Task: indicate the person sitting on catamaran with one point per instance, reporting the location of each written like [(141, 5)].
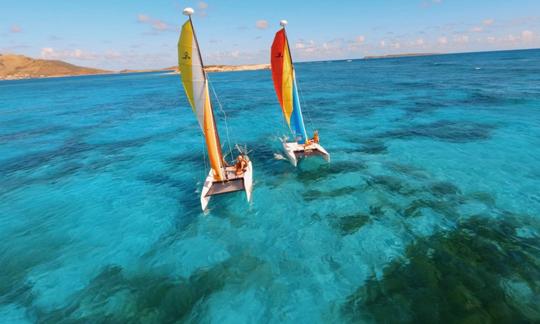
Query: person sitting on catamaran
[(241, 165), (314, 140), (316, 137)]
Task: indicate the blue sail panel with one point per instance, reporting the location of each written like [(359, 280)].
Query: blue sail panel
[(297, 121)]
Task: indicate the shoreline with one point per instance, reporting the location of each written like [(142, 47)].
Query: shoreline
[(172, 70), (54, 76), (251, 67)]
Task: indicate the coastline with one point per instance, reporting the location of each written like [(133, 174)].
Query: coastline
[(15, 78), (171, 70), (238, 68)]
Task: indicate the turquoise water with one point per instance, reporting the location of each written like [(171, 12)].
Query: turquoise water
[(429, 210)]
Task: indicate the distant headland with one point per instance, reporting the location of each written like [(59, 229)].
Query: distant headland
[(15, 67)]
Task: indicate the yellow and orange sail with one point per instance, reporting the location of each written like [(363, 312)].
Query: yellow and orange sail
[(196, 86)]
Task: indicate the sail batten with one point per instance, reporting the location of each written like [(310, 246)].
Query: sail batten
[(285, 85), (195, 85)]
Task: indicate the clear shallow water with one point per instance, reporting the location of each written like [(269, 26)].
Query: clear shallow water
[(428, 212)]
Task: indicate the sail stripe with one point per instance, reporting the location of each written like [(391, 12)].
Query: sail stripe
[(191, 71), (276, 59), (196, 87), (297, 120), (285, 86)]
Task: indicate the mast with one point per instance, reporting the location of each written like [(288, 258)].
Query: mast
[(195, 83), (206, 78), (284, 76), (284, 23)]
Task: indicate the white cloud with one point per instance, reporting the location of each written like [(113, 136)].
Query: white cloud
[(142, 18), (360, 39), (160, 25), (335, 48), (203, 5), (46, 51), (261, 24), (481, 28), (51, 53), (527, 36), (477, 29), (510, 38), (443, 40), (429, 3), (157, 25), (15, 29), (234, 57), (202, 9), (305, 46), (382, 43), (462, 39), (420, 42), (112, 55), (78, 53)]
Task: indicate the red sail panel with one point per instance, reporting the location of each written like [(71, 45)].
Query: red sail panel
[(276, 60)]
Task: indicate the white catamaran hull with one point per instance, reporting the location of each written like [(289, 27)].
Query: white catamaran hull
[(232, 184), (295, 151)]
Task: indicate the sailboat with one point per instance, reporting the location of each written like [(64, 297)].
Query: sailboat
[(222, 178), (284, 78)]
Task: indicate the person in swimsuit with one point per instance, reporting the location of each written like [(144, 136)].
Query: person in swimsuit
[(241, 165), (315, 140)]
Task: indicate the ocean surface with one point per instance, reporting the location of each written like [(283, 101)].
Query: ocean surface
[(429, 210)]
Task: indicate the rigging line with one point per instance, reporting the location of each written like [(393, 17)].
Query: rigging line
[(304, 104), (286, 128), (204, 156), (294, 74), (224, 117)]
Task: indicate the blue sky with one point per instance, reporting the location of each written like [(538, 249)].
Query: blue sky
[(137, 34)]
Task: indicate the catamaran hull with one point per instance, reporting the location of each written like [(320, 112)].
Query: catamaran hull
[(295, 151), (233, 184)]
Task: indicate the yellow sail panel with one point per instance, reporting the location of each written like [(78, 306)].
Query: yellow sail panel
[(287, 85), (191, 70), (196, 87)]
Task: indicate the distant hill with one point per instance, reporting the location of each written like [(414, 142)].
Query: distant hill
[(398, 55), (21, 67), (13, 67)]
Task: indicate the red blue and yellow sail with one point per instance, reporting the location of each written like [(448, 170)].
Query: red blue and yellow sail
[(285, 85)]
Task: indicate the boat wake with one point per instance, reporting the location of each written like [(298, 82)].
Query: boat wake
[(278, 156)]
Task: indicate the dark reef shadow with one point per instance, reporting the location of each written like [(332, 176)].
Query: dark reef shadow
[(152, 296), (456, 277), (446, 131)]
